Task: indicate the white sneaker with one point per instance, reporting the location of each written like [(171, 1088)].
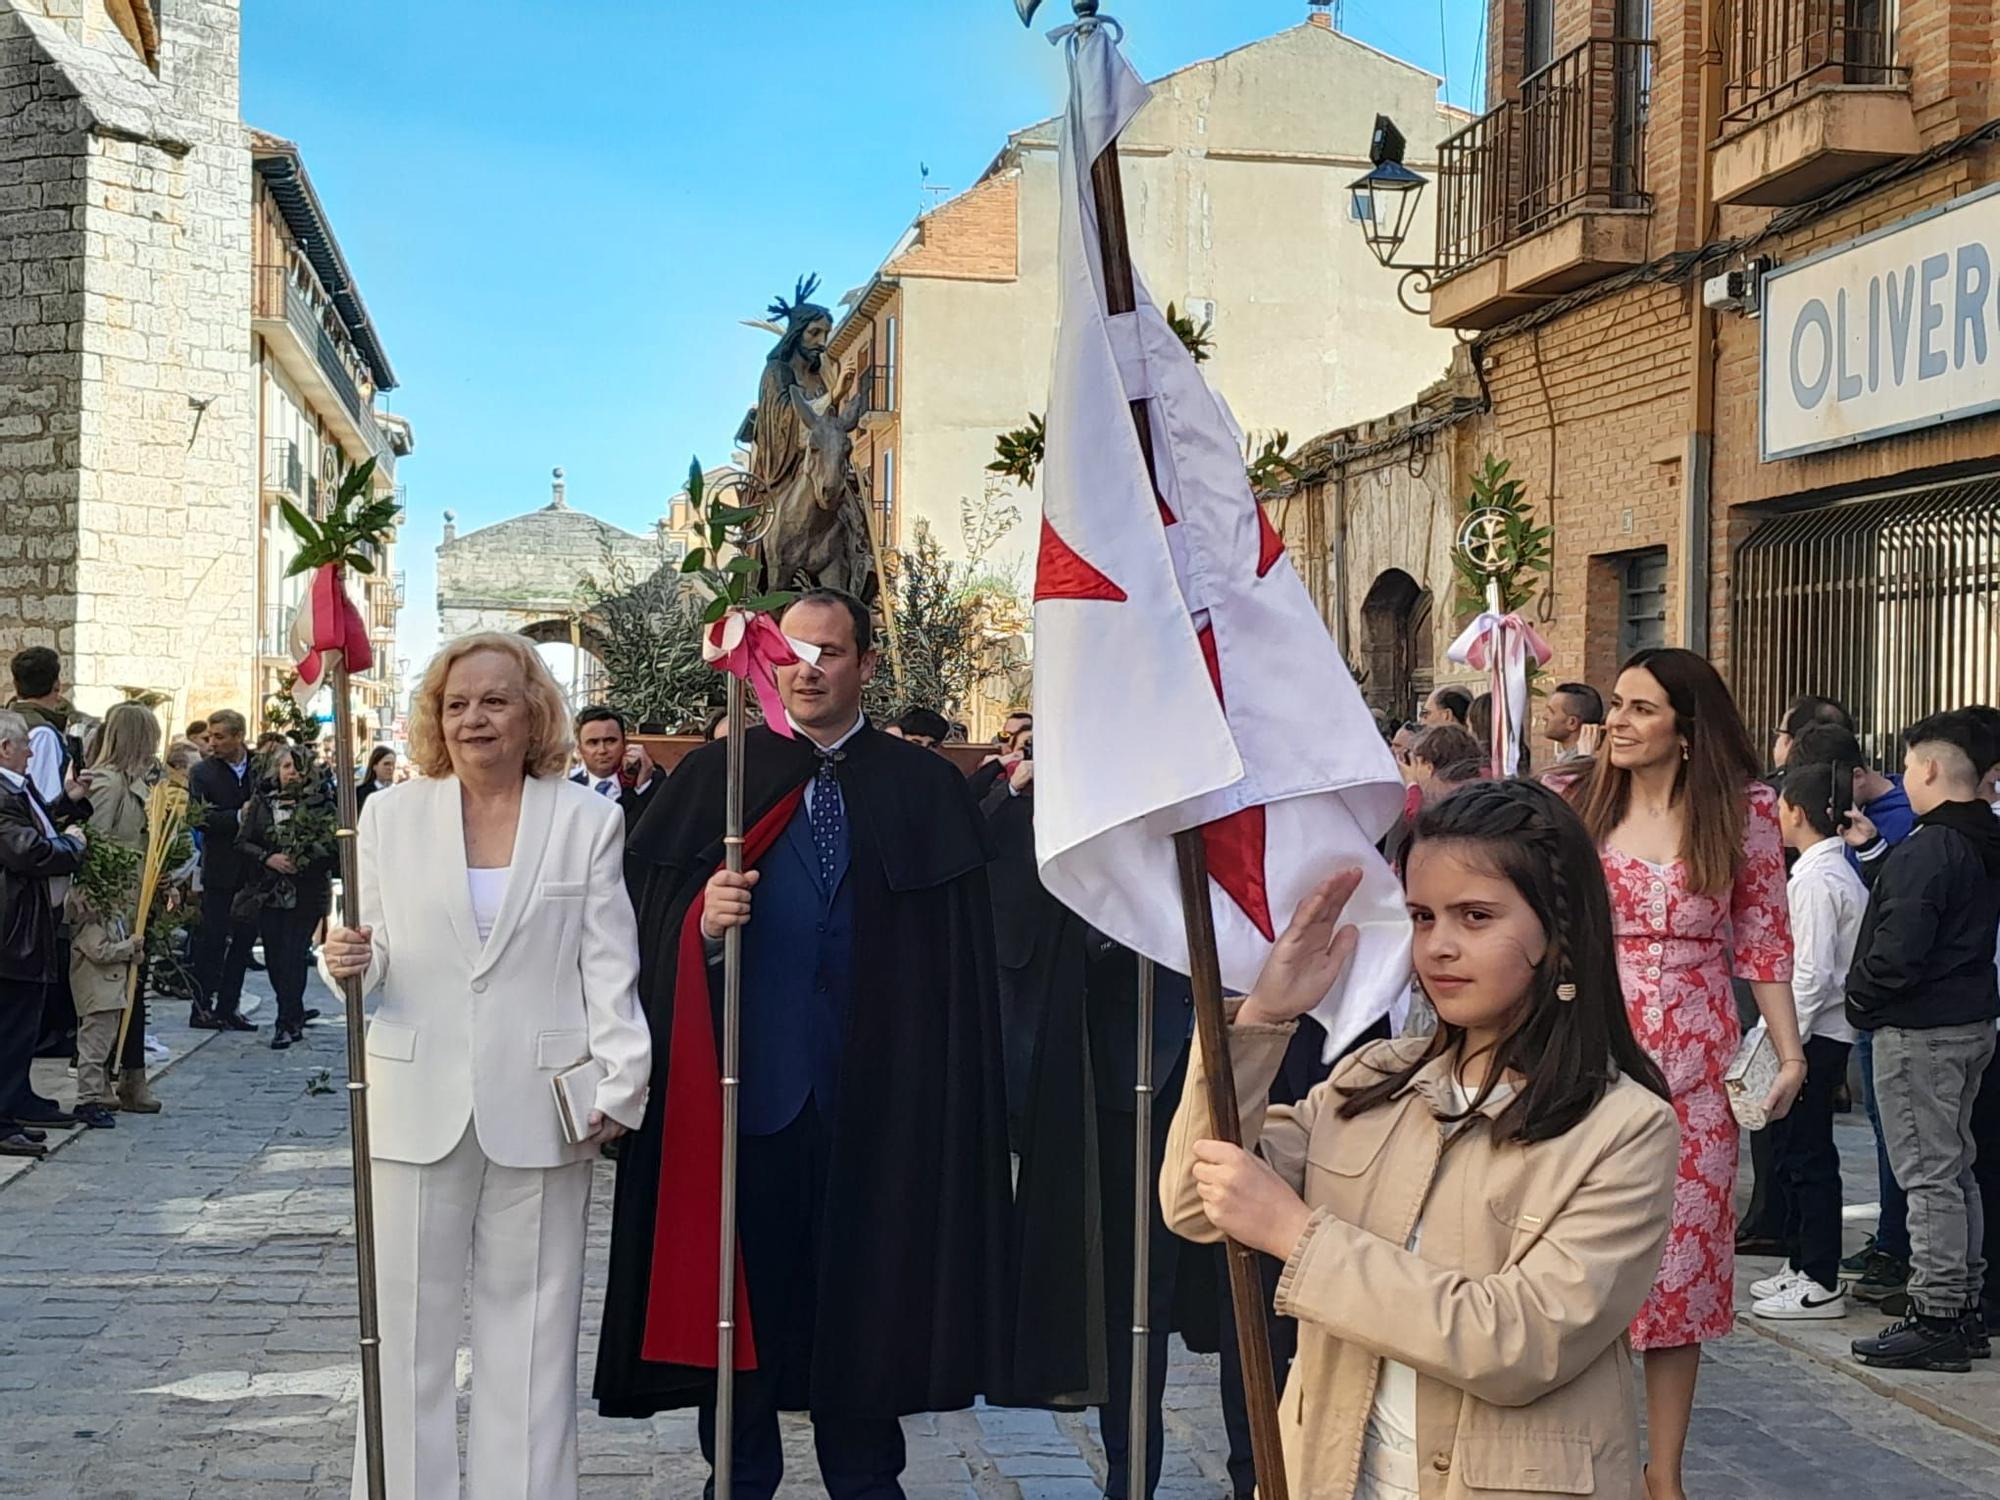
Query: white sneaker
[(1803, 1301), (1770, 1286)]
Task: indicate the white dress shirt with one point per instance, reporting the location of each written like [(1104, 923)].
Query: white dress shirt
[(860, 721), (45, 762), (1827, 900)]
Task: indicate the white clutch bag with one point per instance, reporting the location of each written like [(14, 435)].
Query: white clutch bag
[(576, 1096), (1749, 1077)]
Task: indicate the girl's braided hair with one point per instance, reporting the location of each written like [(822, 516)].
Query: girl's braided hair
[(1571, 1040)]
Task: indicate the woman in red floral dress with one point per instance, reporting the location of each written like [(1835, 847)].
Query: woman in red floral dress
[(1696, 872)]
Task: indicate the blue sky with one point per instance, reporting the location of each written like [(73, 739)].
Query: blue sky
[(558, 210)]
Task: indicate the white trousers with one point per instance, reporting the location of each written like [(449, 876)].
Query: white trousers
[(523, 1231)]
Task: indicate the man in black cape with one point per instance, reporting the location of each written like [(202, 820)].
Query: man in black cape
[(877, 1231)]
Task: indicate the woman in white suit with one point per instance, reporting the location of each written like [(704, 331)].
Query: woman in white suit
[(496, 927)]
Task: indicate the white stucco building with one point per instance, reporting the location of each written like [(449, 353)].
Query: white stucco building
[(1236, 182)]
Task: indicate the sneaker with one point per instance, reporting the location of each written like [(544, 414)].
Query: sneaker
[(96, 1117), (1972, 1327), (1803, 1300), (1770, 1286), (280, 1040), (1917, 1343), (157, 1051), (1885, 1277), (1857, 1264)]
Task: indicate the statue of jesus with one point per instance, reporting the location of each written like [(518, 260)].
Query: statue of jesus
[(802, 443)]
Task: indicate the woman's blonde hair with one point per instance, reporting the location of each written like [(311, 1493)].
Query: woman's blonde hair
[(548, 714), (128, 740)]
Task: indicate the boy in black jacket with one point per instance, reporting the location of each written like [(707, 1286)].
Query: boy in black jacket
[(1923, 982)]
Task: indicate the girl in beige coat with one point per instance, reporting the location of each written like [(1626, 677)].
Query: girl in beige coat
[(1468, 1221)]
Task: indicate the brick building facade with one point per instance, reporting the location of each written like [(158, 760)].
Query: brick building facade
[(1581, 222)]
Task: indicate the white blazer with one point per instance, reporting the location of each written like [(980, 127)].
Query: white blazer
[(466, 1032)]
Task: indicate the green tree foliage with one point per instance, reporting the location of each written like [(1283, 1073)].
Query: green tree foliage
[(648, 634), (1018, 455), (939, 626), (1194, 339)]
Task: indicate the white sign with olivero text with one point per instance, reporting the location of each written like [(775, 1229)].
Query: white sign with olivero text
[(1891, 332)]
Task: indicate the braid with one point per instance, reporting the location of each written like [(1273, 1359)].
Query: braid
[(1562, 920)]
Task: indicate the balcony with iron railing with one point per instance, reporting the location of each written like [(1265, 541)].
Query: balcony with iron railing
[(1547, 191), (284, 474), (1475, 190), (274, 638), (881, 381), (295, 322), (1813, 94)]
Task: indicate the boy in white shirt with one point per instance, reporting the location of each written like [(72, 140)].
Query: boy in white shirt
[(1827, 901)]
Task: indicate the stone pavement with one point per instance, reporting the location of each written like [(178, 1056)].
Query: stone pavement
[(176, 1321)]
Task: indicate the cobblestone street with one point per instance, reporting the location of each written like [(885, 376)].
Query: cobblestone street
[(176, 1298)]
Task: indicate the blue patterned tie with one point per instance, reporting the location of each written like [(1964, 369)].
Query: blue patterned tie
[(829, 814)]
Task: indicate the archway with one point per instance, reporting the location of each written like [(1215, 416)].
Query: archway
[(574, 652), (1396, 644)]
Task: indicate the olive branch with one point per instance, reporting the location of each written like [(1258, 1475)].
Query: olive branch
[(732, 582), (352, 531)]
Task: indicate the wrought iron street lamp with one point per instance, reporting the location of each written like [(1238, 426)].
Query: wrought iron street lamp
[(1385, 202)]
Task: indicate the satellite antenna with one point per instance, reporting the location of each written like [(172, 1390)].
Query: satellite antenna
[(936, 193)]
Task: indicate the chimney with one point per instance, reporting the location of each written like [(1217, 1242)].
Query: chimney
[(559, 500), (451, 526), (1321, 14)]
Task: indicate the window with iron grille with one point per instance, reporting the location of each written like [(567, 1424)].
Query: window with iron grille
[(1888, 603), (1642, 602), (1538, 36), (889, 355)]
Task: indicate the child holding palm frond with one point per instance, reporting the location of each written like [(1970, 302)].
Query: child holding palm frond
[(102, 951)]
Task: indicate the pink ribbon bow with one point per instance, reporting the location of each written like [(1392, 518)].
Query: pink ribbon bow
[(1501, 645), (327, 622), (1490, 627), (749, 645)]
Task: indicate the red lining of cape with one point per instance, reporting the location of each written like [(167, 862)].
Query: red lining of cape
[(687, 1224)]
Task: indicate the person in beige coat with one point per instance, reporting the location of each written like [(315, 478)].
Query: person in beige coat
[(124, 765), (1468, 1221)]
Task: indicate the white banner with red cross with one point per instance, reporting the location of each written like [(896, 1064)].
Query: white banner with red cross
[(1183, 677)]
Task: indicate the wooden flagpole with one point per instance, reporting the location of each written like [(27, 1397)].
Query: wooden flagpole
[(357, 1087), (1246, 1281), (732, 1029)]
